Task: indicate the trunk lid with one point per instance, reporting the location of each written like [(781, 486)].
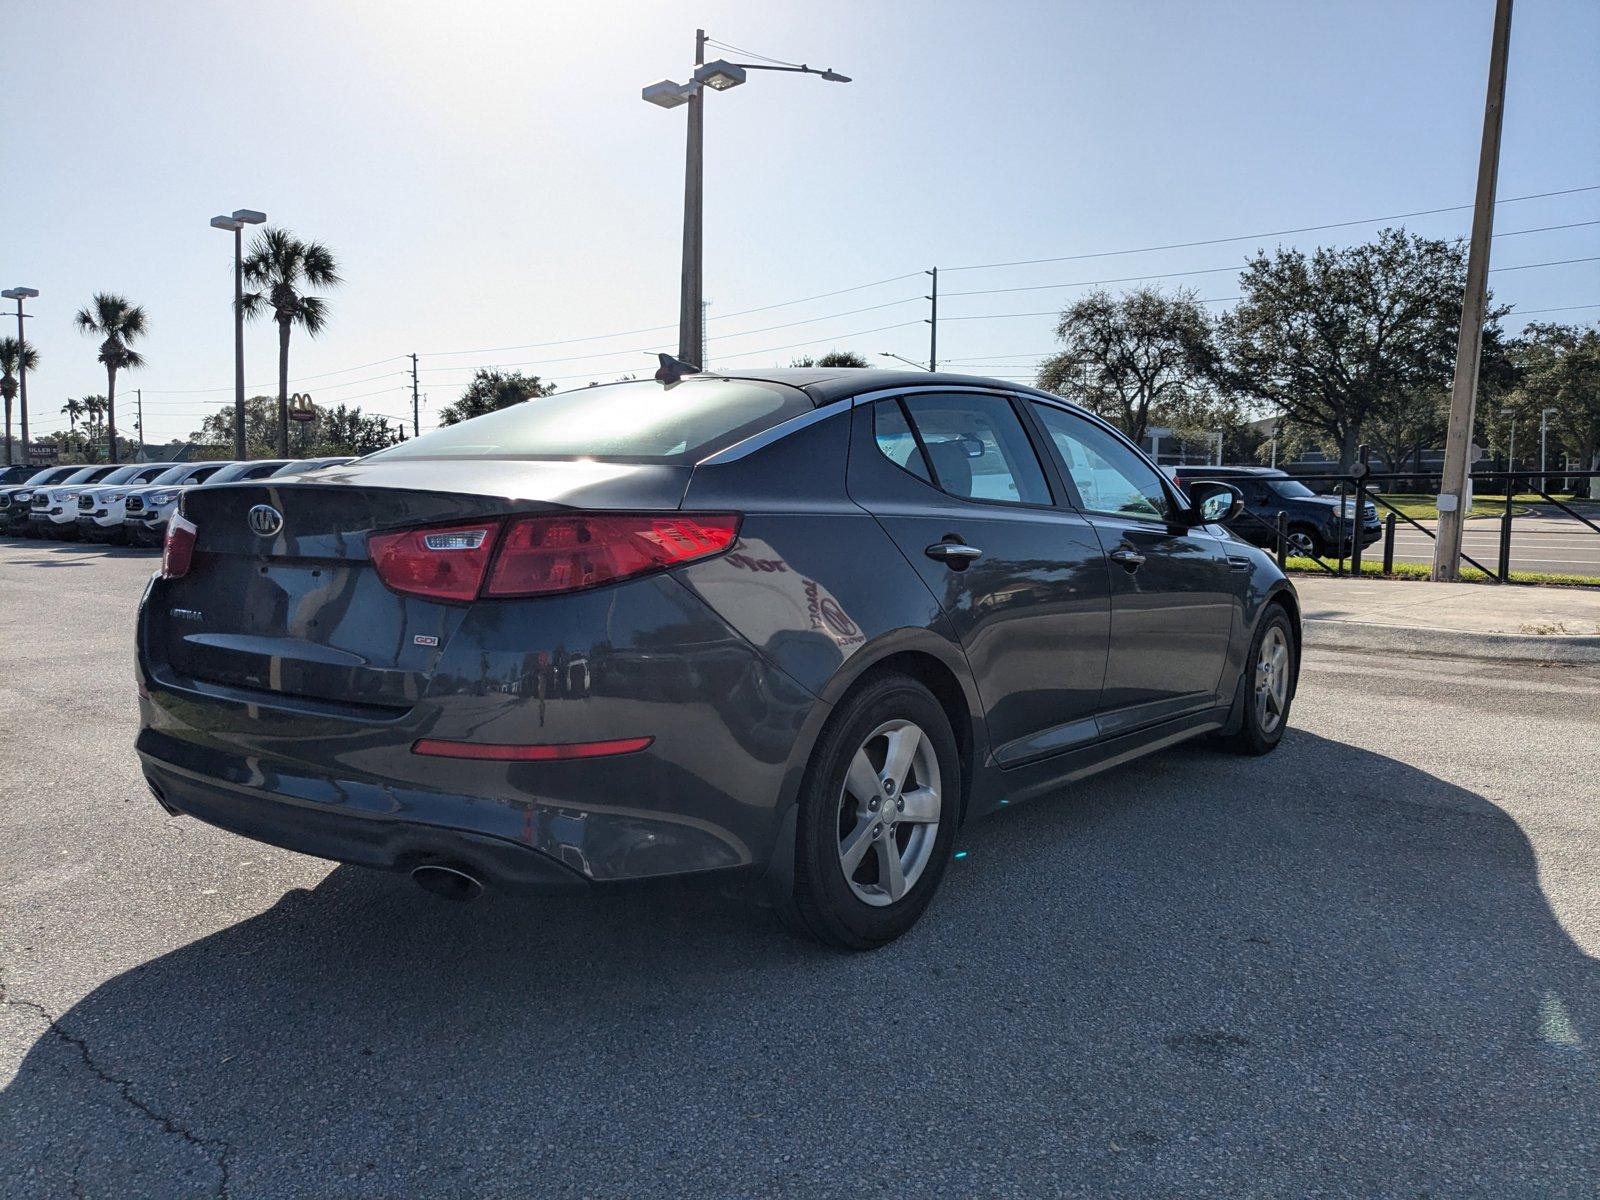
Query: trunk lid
[(302, 612)]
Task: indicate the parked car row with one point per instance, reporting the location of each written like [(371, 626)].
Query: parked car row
[(130, 503)]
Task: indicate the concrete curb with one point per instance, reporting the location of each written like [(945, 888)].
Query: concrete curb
[(1448, 643)]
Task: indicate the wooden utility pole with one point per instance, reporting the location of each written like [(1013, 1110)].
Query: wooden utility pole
[(416, 404), (933, 321), (1469, 345)]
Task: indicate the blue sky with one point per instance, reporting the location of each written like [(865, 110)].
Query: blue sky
[(491, 180)]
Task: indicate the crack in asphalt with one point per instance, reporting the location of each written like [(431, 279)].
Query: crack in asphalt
[(215, 1148)]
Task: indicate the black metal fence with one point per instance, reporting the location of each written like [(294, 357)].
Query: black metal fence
[(1361, 487)]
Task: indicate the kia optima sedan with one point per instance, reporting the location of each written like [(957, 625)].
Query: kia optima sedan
[(791, 625)]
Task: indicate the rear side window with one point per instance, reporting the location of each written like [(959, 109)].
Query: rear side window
[(639, 421), (895, 439), (977, 448)]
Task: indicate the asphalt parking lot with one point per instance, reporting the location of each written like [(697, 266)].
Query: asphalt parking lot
[(1362, 966)]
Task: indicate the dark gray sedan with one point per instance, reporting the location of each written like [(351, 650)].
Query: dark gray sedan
[(795, 625)]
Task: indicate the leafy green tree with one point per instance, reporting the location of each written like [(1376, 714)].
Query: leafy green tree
[(281, 266), (1561, 371), (117, 323), (1140, 359), (833, 358), (491, 390), (1344, 337), (338, 430), (14, 356)]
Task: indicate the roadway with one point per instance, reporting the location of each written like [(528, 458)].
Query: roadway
[(1363, 965)]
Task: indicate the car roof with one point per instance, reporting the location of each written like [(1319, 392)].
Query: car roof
[(1256, 472), (826, 384)]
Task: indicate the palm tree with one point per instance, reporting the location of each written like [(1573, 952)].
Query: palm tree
[(112, 318), (72, 410), (281, 265), (14, 356)]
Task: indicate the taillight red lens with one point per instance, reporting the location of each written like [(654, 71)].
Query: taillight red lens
[(177, 552), (564, 553), (443, 563)]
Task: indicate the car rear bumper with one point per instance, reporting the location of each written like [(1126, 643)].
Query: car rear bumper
[(345, 833), (338, 778)]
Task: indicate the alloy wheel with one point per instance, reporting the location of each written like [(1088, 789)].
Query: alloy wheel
[(889, 808), (1272, 680)]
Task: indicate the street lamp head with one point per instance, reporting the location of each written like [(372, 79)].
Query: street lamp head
[(835, 77), (249, 216), (666, 93), (720, 75), (227, 223), (20, 293)]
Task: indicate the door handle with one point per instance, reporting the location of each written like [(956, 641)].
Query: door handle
[(957, 555), (1129, 560)]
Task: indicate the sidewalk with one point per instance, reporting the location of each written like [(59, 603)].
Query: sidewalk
[(1471, 620)]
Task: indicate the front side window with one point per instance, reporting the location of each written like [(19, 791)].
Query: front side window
[(638, 421), (1109, 476), (977, 448)]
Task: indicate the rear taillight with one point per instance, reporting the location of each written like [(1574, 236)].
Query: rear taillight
[(542, 555), (177, 552), (444, 563)]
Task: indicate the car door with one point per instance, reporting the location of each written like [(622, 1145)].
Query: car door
[(1175, 596), (956, 480)]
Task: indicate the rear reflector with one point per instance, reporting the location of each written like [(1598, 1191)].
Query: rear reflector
[(442, 563), (177, 552), (542, 555), (500, 752)]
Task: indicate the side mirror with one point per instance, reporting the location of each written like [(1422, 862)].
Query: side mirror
[(1213, 503)]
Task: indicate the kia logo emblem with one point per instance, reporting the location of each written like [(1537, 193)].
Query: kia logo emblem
[(265, 520)]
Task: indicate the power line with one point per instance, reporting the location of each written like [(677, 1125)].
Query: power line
[(1245, 237), (751, 53), (274, 384), (1047, 287), (744, 312)]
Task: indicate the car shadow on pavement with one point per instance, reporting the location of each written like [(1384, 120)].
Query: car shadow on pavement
[(73, 554), (1321, 972)]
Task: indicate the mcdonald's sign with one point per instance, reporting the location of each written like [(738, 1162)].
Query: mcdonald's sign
[(301, 408)]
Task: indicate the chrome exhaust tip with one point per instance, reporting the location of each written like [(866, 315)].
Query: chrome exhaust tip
[(453, 883)]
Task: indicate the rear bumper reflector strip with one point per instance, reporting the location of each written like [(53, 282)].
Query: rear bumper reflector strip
[(514, 753)]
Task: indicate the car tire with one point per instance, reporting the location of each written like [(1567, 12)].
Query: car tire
[(877, 900), (1305, 537), (1271, 672)]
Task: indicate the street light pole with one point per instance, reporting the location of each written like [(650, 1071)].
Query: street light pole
[(1456, 477), (19, 294), (690, 349), (236, 223), (718, 76), (1544, 425)]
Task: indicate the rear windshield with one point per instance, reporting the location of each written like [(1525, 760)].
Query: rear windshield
[(640, 421)]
